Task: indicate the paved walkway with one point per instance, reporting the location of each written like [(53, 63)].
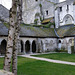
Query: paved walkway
[(49, 60)]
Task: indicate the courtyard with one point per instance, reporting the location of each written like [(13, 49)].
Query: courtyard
[(28, 66), (58, 56)]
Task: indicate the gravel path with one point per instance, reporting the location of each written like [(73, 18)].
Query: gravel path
[(49, 60)]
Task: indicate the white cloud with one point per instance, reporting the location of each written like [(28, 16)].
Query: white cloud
[(5, 3)]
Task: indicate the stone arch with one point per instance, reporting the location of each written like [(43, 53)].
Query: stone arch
[(34, 46), (59, 41), (27, 46), (22, 44), (3, 46), (46, 43), (51, 42), (70, 40), (68, 19)]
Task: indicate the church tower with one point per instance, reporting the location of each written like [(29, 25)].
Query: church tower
[(29, 9)]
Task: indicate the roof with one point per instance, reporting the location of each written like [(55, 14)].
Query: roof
[(3, 29), (4, 13), (37, 31), (47, 20), (29, 31), (67, 30)]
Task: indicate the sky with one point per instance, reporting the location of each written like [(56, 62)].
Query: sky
[(7, 3)]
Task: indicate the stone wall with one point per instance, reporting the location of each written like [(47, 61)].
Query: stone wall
[(65, 42), (2, 72), (66, 13), (31, 7)]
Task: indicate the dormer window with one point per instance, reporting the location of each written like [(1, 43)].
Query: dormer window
[(60, 9), (46, 12), (67, 7), (36, 0)]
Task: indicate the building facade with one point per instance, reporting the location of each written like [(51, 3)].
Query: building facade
[(37, 9), (65, 13), (39, 39)]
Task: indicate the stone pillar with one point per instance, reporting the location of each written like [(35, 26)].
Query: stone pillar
[(19, 47), (31, 48), (69, 50), (24, 51), (36, 46), (44, 47)]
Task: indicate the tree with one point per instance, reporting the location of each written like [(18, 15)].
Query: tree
[(16, 37), (12, 22)]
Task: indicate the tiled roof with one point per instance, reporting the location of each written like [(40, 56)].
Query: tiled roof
[(30, 31), (67, 30)]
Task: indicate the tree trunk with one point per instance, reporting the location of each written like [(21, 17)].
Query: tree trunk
[(9, 48), (16, 39)]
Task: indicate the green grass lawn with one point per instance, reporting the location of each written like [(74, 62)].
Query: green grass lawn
[(59, 56), (28, 66)]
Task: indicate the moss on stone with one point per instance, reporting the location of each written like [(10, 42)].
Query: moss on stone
[(6, 24)]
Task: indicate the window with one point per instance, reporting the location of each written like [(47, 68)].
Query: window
[(67, 7), (46, 12), (60, 9), (36, 0)]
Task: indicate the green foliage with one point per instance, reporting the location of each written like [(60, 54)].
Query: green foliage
[(37, 14), (74, 3), (36, 21), (72, 49), (40, 5), (6, 24), (62, 50), (23, 24), (35, 25)]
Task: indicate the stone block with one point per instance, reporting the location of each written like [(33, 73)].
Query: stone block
[(3, 72)]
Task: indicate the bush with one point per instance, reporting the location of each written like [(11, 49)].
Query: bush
[(62, 50), (72, 49)]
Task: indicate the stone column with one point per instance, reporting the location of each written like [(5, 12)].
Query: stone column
[(24, 51), (36, 46), (19, 47), (44, 47), (31, 48)]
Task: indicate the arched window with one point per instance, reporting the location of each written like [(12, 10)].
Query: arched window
[(59, 41), (68, 19), (70, 40), (27, 46), (34, 46), (3, 47), (21, 46), (51, 42)]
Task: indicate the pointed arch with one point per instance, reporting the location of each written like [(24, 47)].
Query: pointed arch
[(27, 46), (3, 46), (34, 46), (68, 19), (22, 44)]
